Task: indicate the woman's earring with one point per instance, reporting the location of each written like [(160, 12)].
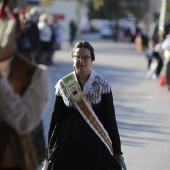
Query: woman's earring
[(91, 68), (74, 67)]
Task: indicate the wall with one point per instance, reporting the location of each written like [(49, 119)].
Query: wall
[(66, 10)]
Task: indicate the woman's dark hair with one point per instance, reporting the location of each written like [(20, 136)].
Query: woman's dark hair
[(87, 45)]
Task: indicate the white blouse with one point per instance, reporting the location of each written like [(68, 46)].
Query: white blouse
[(24, 113)]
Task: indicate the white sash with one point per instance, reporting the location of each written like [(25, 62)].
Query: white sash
[(75, 93)]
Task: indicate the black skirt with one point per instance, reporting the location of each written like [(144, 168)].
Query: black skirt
[(79, 148)]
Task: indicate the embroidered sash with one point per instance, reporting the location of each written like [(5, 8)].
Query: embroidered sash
[(86, 111)]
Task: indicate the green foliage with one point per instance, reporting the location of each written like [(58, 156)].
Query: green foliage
[(97, 4), (109, 9)]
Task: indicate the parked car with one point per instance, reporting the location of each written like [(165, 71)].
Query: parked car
[(102, 26)]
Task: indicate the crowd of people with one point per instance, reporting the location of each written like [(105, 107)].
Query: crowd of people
[(157, 52), (41, 35), (145, 36)]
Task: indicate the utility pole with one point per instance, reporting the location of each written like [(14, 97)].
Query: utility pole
[(161, 26)]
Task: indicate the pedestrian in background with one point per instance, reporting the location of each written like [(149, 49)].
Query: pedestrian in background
[(35, 14), (58, 36), (45, 38), (51, 21), (157, 54), (83, 133), (165, 47), (149, 58), (28, 39), (72, 31)]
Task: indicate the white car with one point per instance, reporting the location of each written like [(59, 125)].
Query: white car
[(103, 27), (106, 32)]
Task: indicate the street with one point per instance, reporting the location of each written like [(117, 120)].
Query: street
[(142, 106)]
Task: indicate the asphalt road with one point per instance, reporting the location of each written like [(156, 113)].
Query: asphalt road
[(142, 106)]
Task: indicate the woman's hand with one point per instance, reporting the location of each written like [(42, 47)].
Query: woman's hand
[(118, 158)]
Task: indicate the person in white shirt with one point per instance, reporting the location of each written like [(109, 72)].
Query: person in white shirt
[(24, 98), (45, 38), (165, 47)]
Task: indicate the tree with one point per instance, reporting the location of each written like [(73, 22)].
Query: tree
[(97, 4), (110, 9), (106, 9)]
